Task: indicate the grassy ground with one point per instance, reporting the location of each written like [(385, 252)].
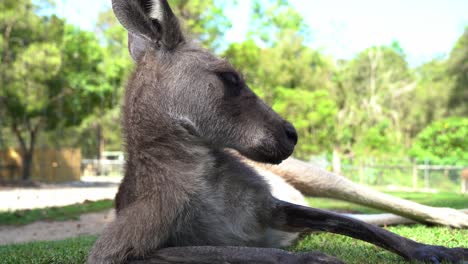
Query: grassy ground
[(352, 251), (70, 212), (68, 251), (357, 252)]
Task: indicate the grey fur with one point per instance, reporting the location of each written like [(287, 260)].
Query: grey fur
[(184, 198)]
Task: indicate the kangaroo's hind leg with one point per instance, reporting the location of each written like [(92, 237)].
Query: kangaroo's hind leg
[(296, 218)]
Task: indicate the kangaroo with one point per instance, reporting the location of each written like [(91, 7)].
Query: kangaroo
[(185, 197)]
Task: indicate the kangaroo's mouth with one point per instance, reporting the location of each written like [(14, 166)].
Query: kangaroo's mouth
[(273, 155)]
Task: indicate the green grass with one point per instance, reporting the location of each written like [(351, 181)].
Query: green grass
[(355, 251), (70, 212), (75, 250), (453, 200), (68, 251), (350, 250)]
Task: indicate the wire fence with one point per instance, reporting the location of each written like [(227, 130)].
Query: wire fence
[(402, 176), (406, 176)]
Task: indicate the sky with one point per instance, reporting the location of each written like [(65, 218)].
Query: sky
[(425, 29)]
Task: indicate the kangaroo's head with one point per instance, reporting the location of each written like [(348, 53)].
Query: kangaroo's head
[(177, 81)]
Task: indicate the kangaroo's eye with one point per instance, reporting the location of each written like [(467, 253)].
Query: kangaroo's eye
[(231, 78), (233, 83)]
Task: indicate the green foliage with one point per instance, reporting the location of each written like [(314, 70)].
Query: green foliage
[(379, 103), (33, 67), (55, 78), (443, 142), (30, 58), (380, 138), (82, 83), (27, 67), (429, 100), (313, 115), (458, 69), (354, 251), (371, 91)]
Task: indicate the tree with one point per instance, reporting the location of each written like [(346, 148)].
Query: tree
[(30, 57), (443, 142), (313, 115), (429, 101), (372, 92), (100, 129), (458, 69), (54, 79)]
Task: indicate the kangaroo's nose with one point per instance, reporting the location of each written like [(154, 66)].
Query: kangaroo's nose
[(291, 132)]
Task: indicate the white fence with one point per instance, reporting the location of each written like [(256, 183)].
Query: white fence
[(104, 167), (406, 175)]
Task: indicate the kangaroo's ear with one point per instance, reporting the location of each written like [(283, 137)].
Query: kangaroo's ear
[(137, 46), (150, 22)]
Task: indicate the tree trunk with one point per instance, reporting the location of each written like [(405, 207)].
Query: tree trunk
[(26, 169), (28, 155), (100, 140), (27, 152), (99, 147)]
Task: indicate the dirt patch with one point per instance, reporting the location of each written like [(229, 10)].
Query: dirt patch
[(88, 224), (21, 197), (48, 195)]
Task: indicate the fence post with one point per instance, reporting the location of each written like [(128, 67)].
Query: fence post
[(361, 172), (464, 184), (415, 176), (426, 174), (464, 180)]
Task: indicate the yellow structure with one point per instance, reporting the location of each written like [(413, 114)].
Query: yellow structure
[(49, 165)]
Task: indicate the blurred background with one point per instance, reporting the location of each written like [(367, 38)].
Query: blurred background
[(378, 91)]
